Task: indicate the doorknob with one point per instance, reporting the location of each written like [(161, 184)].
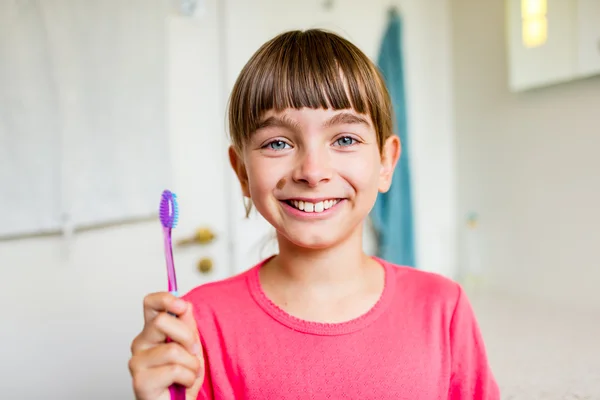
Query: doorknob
[(202, 236), (205, 265)]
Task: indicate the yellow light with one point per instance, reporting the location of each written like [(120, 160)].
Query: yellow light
[(533, 8), (535, 32), (535, 22)]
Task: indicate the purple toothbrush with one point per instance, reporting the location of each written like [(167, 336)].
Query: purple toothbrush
[(169, 214)]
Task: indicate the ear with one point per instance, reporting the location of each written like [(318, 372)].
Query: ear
[(237, 163), (390, 154)]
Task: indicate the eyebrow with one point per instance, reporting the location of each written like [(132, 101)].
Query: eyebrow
[(345, 118), (278, 122), (286, 122)]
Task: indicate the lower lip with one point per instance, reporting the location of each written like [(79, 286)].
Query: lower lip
[(311, 215)]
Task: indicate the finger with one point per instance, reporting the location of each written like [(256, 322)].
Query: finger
[(166, 354), (167, 326), (191, 343), (172, 353), (148, 382), (189, 319), (155, 303)]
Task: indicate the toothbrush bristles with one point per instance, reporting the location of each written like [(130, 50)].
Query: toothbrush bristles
[(168, 210)]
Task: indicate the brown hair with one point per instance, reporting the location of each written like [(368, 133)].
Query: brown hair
[(315, 69)]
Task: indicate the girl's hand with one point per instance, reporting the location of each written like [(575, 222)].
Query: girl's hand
[(155, 365)]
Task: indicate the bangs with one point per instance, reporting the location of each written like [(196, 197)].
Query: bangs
[(312, 69)]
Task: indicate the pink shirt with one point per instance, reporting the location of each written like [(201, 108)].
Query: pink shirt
[(420, 341)]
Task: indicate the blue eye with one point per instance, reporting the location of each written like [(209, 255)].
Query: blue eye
[(277, 145), (345, 141)]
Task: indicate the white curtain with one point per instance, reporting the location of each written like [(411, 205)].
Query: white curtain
[(82, 112)]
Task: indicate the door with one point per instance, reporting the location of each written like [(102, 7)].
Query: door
[(73, 316)]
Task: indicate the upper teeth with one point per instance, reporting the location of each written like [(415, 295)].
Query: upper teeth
[(307, 206)]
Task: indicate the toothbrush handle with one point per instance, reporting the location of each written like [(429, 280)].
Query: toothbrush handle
[(171, 276), (176, 390)]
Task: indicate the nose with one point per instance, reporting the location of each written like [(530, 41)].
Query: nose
[(313, 167)]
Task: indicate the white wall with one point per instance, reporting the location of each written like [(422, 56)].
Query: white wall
[(528, 164), (84, 294)]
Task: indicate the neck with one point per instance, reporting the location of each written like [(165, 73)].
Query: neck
[(324, 285), (339, 264)]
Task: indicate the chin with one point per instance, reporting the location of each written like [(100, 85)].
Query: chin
[(313, 243), (313, 239)]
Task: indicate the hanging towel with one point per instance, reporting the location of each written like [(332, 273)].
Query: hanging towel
[(392, 215)]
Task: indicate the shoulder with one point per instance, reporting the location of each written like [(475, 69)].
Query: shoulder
[(219, 293), (423, 282), (423, 289), (224, 295)]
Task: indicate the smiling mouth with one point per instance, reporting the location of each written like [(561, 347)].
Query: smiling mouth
[(309, 207)]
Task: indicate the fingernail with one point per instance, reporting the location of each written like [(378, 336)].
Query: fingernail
[(180, 304), (196, 349)]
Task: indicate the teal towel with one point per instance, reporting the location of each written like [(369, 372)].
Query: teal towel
[(392, 215)]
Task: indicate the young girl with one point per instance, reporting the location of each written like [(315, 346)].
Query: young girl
[(311, 126)]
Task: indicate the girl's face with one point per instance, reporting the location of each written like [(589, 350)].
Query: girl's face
[(314, 174)]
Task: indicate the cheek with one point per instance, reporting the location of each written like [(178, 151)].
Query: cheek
[(262, 177), (362, 172)]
